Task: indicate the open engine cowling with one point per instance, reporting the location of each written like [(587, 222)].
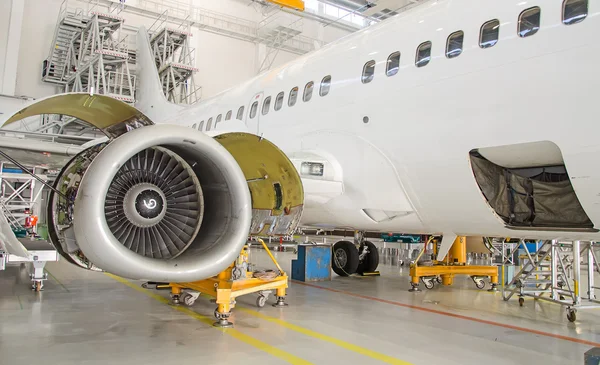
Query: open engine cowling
[(167, 203)]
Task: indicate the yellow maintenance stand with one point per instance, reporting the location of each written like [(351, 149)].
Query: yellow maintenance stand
[(234, 282), (455, 263)]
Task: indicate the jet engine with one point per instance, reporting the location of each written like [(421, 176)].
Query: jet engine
[(171, 204)]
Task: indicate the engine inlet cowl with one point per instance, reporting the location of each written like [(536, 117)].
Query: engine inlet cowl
[(162, 203)]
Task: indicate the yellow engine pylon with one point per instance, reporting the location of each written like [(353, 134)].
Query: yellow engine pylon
[(227, 286), (455, 263)]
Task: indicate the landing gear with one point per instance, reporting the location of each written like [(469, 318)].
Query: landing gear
[(368, 258), (361, 257), (345, 258)]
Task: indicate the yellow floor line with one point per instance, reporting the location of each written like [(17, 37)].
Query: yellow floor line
[(343, 344), (286, 356)]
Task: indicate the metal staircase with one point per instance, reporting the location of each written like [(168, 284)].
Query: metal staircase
[(175, 59), (553, 272), (55, 66)]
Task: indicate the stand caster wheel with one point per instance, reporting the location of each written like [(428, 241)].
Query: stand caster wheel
[(571, 315), (521, 302), (189, 300), (261, 301), (429, 283), (493, 289), (175, 299), (480, 284)]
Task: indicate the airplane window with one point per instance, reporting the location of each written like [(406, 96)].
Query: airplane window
[(253, 109), (325, 86), (279, 101), (194, 126), (209, 124), (423, 54), (228, 115), (368, 72), (293, 97), (218, 120), (454, 45), (574, 11), (308, 91), (393, 64), (266, 106), (529, 22), (490, 32), (240, 113)]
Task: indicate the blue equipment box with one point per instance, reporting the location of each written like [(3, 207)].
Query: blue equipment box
[(313, 263)]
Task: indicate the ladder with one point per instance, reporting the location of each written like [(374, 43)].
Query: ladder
[(554, 273)]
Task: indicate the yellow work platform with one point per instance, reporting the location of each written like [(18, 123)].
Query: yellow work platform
[(443, 272), (230, 284)]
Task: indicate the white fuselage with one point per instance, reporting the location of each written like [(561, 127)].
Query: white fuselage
[(410, 162)]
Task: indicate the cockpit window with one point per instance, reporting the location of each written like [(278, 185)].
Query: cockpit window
[(228, 115), (368, 73), (574, 11), (240, 113), (219, 117), (490, 32), (423, 54), (209, 124), (454, 45), (529, 22), (253, 110)]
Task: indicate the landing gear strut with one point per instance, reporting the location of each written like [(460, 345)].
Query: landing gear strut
[(360, 257)]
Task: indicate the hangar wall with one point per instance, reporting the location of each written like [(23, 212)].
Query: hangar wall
[(222, 61)]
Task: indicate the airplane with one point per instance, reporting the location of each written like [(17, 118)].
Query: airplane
[(454, 118)]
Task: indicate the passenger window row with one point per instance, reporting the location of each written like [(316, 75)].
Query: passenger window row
[(573, 11), (324, 89)]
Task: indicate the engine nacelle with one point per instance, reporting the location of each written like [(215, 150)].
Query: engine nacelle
[(168, 203)]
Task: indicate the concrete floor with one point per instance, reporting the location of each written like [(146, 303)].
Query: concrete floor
[(91, 318)]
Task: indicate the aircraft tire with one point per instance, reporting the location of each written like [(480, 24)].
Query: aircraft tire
[(344, 258), (371, 261)]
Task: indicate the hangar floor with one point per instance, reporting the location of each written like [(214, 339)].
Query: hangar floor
[(92, 318)]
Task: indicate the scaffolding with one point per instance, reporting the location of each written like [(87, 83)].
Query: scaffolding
[(175, 59), (552, 271), (20, 193), (90, 53)]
